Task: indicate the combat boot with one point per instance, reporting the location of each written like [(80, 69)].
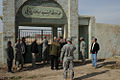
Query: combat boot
[(70, 79)]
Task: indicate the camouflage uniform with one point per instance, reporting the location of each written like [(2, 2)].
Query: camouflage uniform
[(83, 50), (67, 56)]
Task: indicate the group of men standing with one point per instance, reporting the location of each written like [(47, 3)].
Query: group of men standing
[(55, 50), (35, 51), (93, 51), (61, 51), (21, 50), (20, 53)]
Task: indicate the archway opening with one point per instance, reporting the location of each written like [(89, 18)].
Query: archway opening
[(39, 18)]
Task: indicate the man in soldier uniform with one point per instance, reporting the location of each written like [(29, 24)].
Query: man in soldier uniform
[(67, 56), (19, 57), (82, 49), (45, 50)]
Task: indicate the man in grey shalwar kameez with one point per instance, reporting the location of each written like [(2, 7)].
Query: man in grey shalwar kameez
[(18, 55), (45, 50), (67, 56), (24, 48)]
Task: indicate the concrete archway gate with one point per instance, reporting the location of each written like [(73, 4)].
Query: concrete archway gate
[(54, 13), (39, 13)]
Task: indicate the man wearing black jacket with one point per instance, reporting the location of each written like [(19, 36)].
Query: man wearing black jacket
[(94, 50), (10, 56), (34, 50)]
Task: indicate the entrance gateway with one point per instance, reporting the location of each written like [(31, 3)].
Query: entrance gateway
[(41, 13), (48, 15), (54, 14)]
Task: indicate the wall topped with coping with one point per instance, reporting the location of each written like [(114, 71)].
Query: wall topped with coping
[(109, 39)]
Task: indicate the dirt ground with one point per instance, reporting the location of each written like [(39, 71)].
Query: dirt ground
[(108, 69)]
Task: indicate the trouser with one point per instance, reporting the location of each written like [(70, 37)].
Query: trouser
[(33, 59), (45, 55), (83, 56), (68, 64), (54, 62), (94, 59), (9, 64), (24, 56), (19, 61)]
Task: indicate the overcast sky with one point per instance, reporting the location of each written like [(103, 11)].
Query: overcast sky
[(105, 11)]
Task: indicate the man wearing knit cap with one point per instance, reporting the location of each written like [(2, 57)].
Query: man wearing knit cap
[(67, 57)]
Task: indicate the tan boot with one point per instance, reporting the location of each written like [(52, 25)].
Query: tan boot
[(70, 79)]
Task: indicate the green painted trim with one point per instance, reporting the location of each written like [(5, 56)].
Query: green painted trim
[(38, 21)]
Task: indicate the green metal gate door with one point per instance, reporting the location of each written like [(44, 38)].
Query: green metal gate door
[(31, 35), (83, 32)]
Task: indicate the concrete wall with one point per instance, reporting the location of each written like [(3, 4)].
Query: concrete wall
[(0, 47), (91, 29), (109, 40), (73, 23), (8, 24)]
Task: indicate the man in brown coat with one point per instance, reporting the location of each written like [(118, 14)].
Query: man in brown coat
[(54, 53)]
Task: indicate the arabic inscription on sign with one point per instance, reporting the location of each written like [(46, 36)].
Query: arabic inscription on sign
[(41, 12)]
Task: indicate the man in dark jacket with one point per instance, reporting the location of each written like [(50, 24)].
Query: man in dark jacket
[(94, 50), (34, 50), (10, 56)]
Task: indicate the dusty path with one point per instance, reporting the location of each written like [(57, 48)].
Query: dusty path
[(82, 72)]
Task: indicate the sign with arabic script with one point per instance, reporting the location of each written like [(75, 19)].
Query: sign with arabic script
[(42, 12)]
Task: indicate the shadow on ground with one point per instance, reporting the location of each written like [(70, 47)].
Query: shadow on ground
[(106, 63), (90, 75), (79, 63), (30, 68), (76, 63)]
